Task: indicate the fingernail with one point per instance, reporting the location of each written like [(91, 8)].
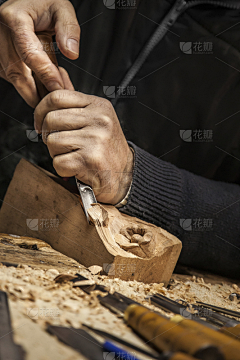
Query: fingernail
[(53, 85), (73, 46)]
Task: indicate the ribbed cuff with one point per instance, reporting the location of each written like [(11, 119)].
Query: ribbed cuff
[(156, 193)]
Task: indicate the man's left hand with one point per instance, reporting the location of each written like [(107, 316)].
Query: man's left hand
[(85, 139)]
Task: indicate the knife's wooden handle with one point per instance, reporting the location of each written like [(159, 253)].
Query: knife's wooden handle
[(180, 356), (231, 331), (230, 347), (47, 42), (168, 336)]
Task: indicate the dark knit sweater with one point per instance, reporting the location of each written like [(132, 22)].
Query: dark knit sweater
[(165, 195)]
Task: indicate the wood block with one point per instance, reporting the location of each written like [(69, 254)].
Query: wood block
[(38, 205), (35, 253)]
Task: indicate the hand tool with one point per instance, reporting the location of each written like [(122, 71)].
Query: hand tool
[(229, 345), (8, 349), (85, 191), (88, 345), (155, 328), (230, 326), (93, 349), (121, 341), (172, 306), (219, 309), (120, 353)]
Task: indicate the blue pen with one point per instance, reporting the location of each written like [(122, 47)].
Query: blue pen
[(120, 353)]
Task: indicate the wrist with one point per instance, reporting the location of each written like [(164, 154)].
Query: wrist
[(125, 182)]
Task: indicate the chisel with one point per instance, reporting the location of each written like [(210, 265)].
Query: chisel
[(229, 346), (8, 350), (88, 345), (228, 325), (155, 328), (165, 335), (85, 191)]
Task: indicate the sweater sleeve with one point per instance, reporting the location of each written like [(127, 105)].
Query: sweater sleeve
[(204, 214)]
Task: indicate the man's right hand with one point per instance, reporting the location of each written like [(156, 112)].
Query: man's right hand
[(20, 50)]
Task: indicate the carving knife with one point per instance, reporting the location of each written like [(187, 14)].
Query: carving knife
[(85, 191)]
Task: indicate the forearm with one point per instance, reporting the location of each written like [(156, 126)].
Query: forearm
[(165, 195)]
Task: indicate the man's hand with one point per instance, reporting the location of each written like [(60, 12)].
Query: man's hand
[(85, 140), (21, 51)]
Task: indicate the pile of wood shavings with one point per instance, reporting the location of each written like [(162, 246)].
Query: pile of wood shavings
[(63, 304), (36, 300)]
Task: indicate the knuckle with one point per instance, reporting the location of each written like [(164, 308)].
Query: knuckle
[(56, 97), (12, 17), (28, 54), (74, 27), (44, 72), (7, 14), (106, 121), (13, 74)]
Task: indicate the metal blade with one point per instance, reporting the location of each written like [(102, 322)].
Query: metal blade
[(87, 196), (219, 309)]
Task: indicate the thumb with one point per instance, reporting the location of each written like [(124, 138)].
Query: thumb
[(67, 31)]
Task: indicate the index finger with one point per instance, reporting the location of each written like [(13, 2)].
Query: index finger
[(31, 51)]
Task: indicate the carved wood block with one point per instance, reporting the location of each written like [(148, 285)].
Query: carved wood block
[(37, 204)]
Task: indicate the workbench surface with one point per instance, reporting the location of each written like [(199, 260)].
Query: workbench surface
[(28, 268)]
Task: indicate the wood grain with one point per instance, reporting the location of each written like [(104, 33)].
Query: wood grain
[(38, 205)]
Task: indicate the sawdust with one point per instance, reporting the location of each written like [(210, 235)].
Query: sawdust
[(64, 304), (36, 298)]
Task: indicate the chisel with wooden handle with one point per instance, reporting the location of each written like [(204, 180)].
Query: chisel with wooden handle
[(174, 343), (230, 327), (167, 336), (85, 191)]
